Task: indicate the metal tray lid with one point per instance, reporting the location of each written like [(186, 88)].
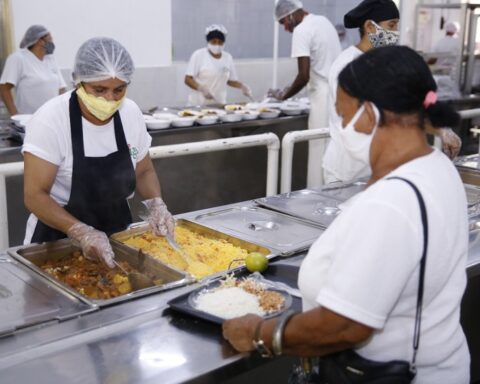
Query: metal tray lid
[(305, 204), (342, 191), (470, 162), (27, 299), (262, 226)]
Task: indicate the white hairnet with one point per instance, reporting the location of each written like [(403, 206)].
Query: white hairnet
[(284, 8), (452, 27), (216, 27), (102, 58), (32, 35)]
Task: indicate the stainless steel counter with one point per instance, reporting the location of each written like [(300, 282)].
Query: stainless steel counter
[(136, 342), (143, 341)]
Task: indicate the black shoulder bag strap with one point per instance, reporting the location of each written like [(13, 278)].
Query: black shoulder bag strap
[(423, 262)]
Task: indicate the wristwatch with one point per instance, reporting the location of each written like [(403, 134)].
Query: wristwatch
[(259, 344)]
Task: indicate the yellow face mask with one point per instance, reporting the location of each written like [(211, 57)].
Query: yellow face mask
[(99, 107)]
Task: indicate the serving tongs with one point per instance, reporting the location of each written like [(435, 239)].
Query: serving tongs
[(176, 247), (137, 280)]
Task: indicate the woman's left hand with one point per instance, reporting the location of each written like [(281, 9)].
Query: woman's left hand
[(240, 332), (451, 143)]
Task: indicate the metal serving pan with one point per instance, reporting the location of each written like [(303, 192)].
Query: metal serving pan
[(306, 204), (33, 256), (142, 227), (272, 229), (26, 299), (342, 191)]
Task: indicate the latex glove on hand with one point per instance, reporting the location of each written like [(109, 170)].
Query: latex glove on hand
[(451, 143), (94, 243), (205, 92), (159, 218), (275, 93), (246, 91)]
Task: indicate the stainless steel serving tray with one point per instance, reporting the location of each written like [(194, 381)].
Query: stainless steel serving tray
[(306, 204), (284, 233), (37, 254), (26, 299), (139, 228)]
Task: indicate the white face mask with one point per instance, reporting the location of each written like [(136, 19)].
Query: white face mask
[(383, 37), (356, 143), (215, 49)]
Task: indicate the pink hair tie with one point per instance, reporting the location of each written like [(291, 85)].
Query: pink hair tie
[(430, 99)]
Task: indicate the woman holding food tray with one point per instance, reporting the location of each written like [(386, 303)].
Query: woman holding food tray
[(382, 286), (86, 152)]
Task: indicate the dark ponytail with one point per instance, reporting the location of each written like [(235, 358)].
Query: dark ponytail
[(397, 79)]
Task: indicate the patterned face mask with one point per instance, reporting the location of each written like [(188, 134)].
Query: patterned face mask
[(383, 37)]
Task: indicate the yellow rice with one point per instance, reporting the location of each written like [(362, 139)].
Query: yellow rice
[(209, 255)]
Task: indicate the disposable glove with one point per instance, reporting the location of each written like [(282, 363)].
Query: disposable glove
[(275, 93), (95, 244), (246, 91), (451, 143), (159, 218), (205, 92)]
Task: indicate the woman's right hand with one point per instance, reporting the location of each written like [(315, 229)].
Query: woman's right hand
[(205, 92), (95, 244)]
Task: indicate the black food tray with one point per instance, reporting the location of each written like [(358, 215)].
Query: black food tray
[(282, 273)]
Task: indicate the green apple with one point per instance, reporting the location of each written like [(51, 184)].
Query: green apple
[(256, 262)]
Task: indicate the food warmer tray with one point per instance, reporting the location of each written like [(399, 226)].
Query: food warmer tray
[(305, 204), (287, 234), (33, 256), (27, 299), (139, 228)]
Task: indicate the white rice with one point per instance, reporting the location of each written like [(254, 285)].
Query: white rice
[(228, 303)]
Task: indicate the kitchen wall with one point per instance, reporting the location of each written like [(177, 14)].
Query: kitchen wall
[(161, 34)]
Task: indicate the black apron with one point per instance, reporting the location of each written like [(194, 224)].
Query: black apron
[(100, 185)]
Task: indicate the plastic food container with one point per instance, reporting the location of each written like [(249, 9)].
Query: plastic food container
[(231, 118), (269, 113), (248, 115), (186, 121), (207, 119)]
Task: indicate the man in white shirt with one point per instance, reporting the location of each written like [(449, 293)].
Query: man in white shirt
[(315, 45), (33, 71)]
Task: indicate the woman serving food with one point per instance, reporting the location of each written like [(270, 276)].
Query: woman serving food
[(86, 152)]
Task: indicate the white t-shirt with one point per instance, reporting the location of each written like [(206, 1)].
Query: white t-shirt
[(449, 44), (365, 266), (212, 73), (316, 37), (48, 137), (36, 81), (337, 161)]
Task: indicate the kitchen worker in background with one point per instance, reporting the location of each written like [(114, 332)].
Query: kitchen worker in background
[(211, 69), (315, 45), (33, 72), (85, 154), (377, 22), (449, 44)]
